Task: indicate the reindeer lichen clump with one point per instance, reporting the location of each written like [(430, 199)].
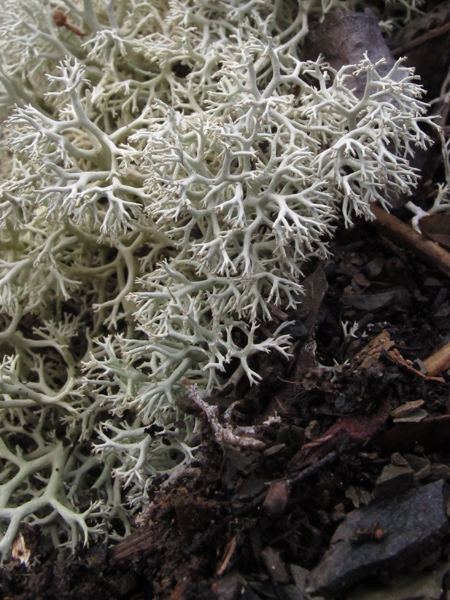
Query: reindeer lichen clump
[(167, 169)]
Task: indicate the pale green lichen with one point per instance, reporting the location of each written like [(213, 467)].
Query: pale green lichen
[(165, 176)]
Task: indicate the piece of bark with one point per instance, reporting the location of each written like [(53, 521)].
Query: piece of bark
[(432, 434), (315, 287), (348, 432)]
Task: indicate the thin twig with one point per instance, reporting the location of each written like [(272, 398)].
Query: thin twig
[(395, 229), (422, 39)]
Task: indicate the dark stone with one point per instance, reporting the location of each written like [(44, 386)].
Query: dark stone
[(393, 480), (277, 498), (274, 565), (388, 535), (373, 269)]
